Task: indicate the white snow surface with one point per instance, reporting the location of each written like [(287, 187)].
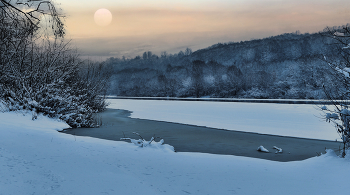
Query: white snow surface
[(36, 159), (278, 150), (262, 149), (295, 120)]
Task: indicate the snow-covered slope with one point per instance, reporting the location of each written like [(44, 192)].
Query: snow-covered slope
[(36, 159)]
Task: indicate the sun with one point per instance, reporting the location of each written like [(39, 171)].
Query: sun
[(103, 17)]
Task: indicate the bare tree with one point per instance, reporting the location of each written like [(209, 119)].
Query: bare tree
[(27, 15), (339, 91), (197, 77), (188, 51)]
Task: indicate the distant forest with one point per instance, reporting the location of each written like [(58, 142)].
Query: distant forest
[(287, 66)]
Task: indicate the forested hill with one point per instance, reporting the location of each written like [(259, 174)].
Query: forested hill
[(279, 48), (283, 66)]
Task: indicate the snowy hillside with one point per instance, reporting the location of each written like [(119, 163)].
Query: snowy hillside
[(286, 66), (36, 159)]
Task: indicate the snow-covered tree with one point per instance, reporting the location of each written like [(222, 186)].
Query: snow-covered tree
[(339, 91), (39, 71)]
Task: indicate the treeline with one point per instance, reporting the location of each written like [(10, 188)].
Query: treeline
[(284, 66)]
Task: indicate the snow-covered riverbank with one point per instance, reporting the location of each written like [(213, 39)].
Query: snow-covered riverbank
[(246, 100), (36, 159)]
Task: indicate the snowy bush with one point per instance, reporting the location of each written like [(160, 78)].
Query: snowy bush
[(38, 69), (60, 90)]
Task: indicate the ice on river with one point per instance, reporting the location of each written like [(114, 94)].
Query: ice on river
[(296, 120)]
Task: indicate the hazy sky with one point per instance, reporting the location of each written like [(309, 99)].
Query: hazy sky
[(164, 25)]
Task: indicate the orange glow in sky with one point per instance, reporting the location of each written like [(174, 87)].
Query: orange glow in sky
[(171, 26)]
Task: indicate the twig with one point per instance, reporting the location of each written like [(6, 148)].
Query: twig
[(138, 135)]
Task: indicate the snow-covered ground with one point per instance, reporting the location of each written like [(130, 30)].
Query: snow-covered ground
[(36, 159), (296, 120)]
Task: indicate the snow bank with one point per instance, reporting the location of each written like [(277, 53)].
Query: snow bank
[(36, 159), (22, 120)]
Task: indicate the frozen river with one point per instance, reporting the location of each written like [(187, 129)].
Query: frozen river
[(295, 120)]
